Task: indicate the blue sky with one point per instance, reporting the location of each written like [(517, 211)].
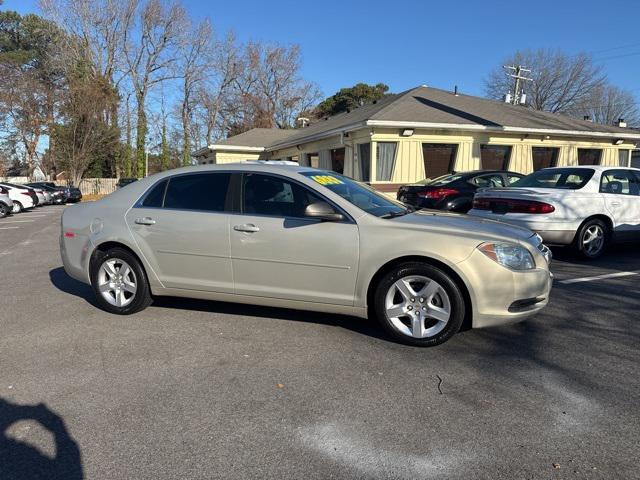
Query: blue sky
[(438, 43)]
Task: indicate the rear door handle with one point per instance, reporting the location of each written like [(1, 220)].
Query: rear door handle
[(246, 227), (615, 204), (145, 221)]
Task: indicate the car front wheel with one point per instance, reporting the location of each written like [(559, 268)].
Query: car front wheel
[(419, 304), (119, 282)]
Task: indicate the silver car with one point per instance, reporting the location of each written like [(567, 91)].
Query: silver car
[(6, 204), (297, 237)]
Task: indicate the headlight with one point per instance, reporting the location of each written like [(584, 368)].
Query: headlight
[(509, 255)]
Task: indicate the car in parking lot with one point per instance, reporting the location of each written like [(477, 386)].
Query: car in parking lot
[(298, 237), (22, 197), (6, 204), (123, 182), (586, 207), (454, 192), (57, 193)]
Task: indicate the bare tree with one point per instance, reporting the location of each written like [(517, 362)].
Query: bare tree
[(195, 58), (607, 104), (560, 81), (215, 92), (150, 58)]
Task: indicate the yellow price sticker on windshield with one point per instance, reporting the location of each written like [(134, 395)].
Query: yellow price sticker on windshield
[(326, 180)]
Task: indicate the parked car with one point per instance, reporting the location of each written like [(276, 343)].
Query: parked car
[(74, 195), (58, 195), (454, 191), (42, 199), (22, 197), (125, 181), (298, 237), (6, 204), (586, 207)]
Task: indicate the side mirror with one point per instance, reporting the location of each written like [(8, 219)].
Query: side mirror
[(323, 211)]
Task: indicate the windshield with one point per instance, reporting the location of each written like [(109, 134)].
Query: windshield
[(359, 194), (561, 178)]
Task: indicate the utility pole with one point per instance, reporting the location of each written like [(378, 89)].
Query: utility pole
[(518, 93)]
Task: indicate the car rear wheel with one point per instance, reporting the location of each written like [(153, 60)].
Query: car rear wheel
[(4, 210), (119, 282), (419, 304), (592, 239), (17, 207)]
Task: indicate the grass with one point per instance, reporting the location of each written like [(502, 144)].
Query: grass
[(93, 197)]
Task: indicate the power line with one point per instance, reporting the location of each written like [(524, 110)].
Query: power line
[(518, 93)]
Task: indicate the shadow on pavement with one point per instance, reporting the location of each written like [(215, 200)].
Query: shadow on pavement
[(19, 460), (65, 283)]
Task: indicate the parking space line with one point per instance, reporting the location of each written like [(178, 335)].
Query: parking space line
[(18, 221), (598, 277), (7, 228)]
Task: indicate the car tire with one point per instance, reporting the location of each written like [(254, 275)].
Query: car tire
[(119, 282), (592, 239), (17, 207), (4, 210), (419, 304)]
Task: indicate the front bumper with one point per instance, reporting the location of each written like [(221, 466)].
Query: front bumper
[(500, 296)]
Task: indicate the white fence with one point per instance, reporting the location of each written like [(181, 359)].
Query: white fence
[(88, 186)]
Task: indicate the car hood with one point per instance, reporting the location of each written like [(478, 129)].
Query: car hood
[(461, 223)]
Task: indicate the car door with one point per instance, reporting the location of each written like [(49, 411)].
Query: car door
[(277, 252), (621, 192), (182, 228)]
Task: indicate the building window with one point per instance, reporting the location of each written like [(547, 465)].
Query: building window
[(589, 156), (385, 160), (364, 158), (439, 158), (495, 157), (544, 157), (337, 160), (623, 158), (635, 159)]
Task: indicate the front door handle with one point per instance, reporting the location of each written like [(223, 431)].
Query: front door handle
[(615, 204), (246, 227), (145, 221)]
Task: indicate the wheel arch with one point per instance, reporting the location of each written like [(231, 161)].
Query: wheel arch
[(455, 276), (600, 216), (108, 245)]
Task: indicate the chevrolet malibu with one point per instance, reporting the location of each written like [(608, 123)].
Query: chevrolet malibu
[(297, 237)]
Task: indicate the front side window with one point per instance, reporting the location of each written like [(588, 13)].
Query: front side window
[(495, 157), (385, 160), (622, 182), (511, 178), (198, 191), (544, 157), (359, 194), (589, 156), (275, 196), (557, 178)]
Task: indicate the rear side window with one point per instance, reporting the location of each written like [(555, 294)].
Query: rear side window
[(490, 181), (198, 191), (622, 182), (561, 178), (155, 196)]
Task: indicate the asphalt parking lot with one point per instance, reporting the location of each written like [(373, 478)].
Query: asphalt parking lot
[(194, 389)]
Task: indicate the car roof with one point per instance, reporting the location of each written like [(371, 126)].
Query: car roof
[(597, 168)]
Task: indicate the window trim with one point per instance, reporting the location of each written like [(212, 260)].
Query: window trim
[(599, 164), (240, 195)]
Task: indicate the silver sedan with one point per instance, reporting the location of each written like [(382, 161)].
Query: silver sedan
[(297, 237)]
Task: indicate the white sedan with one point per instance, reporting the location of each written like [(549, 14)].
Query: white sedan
[(586, 207)]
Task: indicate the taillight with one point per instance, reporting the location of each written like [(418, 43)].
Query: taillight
[(510, 205), (438, 193), (3, 190), (26, 193)]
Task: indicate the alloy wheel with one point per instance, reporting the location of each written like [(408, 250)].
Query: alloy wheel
[(418, 306), (593, 240), (117, 282)]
